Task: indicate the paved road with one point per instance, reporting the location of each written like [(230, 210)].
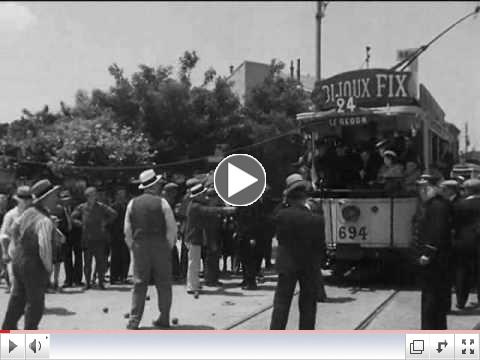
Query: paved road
[(230, 307)]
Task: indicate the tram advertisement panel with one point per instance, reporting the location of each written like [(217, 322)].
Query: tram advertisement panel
[(369, 88)]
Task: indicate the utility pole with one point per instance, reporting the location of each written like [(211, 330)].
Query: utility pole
[(321, 6), (367, 58)]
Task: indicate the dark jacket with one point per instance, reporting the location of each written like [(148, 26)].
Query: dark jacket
[(467, 224), (435, 236), (301, 239), (199, 213)]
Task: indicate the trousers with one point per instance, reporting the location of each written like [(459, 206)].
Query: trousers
[(307, 301), (193, 271), (120, 260), (151, 260), (73, 262), (97, 252), (28, 294)]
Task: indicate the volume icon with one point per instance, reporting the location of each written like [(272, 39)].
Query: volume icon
[(35, 346)]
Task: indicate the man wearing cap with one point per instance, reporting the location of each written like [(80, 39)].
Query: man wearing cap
[(23, 197), (94, 217), (150, 233), (467, 242), (199, 212), (434, 248), (33, 234), (120, 255), (300, 249)]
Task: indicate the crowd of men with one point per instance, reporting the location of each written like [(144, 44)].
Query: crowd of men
[(447, 246), (147, 228), (44, 229)]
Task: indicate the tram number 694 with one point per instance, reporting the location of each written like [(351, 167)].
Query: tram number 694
[(352, 232)]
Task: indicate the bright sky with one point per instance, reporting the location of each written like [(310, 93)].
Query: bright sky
[(50, 50)]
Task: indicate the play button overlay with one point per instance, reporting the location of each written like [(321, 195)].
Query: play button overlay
[(240, 180), (12, 346)]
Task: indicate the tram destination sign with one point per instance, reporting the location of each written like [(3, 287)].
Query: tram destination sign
[(369, 88)]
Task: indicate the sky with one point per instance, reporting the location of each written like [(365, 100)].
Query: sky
[(49, 50)]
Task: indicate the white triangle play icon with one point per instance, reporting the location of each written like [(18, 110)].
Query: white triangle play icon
[(238, 180)]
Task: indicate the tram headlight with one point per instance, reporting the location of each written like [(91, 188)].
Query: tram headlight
[(351, 213)]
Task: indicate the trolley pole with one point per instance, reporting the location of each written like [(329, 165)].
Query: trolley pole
[(319, 40)]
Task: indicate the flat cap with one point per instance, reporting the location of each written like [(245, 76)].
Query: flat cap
[(449, 183), (428, 179), (472, 184)]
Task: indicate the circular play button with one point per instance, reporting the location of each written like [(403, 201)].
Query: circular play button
[(240, 179)]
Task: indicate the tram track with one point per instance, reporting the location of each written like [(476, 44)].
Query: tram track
[(363, 325), (376, 312)]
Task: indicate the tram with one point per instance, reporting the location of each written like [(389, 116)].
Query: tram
[(373, 220)]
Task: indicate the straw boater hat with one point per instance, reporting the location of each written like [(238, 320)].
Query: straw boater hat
[(170, 186), (295, 181), (42, 189), (197, 190), (192, 182), (449, 184), (390, 153), (23, 193), (428, 179), (148, 178)]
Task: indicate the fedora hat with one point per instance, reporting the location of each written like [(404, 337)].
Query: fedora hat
[(148, 178), (42, 189), (295, 181), (23, 193)]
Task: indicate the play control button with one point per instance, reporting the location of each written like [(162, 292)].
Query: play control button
[(11, 346), (239, 180)]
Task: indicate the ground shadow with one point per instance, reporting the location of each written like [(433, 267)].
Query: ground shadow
[(118, 288), (59, 311), (339, 300), (221, 291), (179, 327)]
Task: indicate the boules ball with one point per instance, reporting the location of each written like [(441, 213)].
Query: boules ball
[(174, 321), (105, 310), (148, 298), (126, 315), (196, 296)]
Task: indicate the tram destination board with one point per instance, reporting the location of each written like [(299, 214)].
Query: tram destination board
[(369, 88)]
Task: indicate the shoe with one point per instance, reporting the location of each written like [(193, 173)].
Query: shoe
[(67, 285), (322, 299), (87, 287), (131, 326), (250, 287), (161, 324), (101, 286), (460, 307), (214, 284)]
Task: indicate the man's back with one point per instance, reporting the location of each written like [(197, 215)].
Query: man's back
[(300, 235)]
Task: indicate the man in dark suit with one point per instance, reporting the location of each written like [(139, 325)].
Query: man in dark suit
[(434, 247), (300, 250), (467, 237)]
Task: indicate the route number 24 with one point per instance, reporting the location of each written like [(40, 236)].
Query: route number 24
[(352, 232), (343, 104)]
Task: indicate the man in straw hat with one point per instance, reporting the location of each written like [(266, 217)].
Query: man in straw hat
[(23, 197), (33, 234), (199, 212), (150, 233), (434, 228), (300, 250)]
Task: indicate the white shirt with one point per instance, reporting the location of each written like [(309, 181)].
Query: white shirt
[(6, 230), (171, 224), (43, 227)]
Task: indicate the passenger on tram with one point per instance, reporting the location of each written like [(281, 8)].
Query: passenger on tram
[(391, 169), (325, 163), (412, 174), (348, 166), (369, 167)]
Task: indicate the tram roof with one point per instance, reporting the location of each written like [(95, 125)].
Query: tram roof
[(385, 110)]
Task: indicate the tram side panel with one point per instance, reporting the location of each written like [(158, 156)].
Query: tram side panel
[(403, 212)]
